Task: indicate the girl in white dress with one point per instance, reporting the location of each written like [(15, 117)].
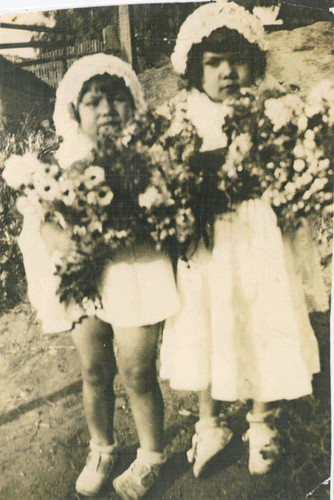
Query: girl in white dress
[(243, 330), (137, 290)]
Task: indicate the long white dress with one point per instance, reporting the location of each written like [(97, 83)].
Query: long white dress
[(138, 289), (243, 326)]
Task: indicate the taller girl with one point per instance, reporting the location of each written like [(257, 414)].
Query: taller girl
[(243, 322)]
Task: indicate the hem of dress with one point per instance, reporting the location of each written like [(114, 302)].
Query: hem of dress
[(139, 322), (218, 397)]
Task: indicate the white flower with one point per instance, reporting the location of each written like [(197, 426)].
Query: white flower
[(318, 185), (239, 148), (93, 176), (324, 164), (19, 169), (307, 195), (150, 198), (122, 234), (278, 113), (176, 126), (299, 165), (30, 205), (164, 110), (294, 102), (48, 189), (310, 145), (90, 306), (299, 150), (322, 91), (311, 110), (302, 123), (92, 198), (104, 196), (96, 225), (51, 169), (67, 191), (309, 135), (68, 197)]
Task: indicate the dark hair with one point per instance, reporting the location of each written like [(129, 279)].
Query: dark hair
[(106, 83), (220, 41)]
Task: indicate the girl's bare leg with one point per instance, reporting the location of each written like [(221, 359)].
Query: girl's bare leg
[(136, 359), (208, 407), (94, 342), (260, 407)]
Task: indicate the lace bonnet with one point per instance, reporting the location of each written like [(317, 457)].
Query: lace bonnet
[(209, 17), (81, 71)]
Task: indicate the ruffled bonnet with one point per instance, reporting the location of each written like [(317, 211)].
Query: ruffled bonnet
[(209, 17), (75, 144)]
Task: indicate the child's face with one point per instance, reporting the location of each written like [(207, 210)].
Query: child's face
[(104, 113), (224, 74)]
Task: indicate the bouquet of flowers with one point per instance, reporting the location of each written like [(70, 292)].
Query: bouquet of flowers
[(280, 148), (182, 171), (239, 172), (122, 192), (295, 144)]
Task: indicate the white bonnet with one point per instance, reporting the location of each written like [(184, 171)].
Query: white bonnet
[(82, 70), (209, 17)]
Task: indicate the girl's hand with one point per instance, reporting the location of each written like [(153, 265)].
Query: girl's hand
[(56, 238)]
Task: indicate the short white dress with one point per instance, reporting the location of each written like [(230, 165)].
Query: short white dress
[(137, 289), (243, 326)]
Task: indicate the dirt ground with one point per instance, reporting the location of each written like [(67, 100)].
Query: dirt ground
[(43, 434)]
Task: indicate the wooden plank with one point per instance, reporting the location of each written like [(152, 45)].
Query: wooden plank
[(33, 44), (30, 27)]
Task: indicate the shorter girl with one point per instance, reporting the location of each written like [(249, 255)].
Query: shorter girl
[(100, 95), (243, 322)]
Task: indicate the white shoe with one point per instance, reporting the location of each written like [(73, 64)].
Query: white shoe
[(263, 442), (101, 461), (135, 482), (206, 444)]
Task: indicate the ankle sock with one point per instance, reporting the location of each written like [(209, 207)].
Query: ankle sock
[(107, 449), (207, 423), (149, 457)]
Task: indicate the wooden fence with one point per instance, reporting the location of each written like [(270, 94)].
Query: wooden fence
[(51, 66)]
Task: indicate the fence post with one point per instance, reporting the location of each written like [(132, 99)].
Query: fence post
[(126, 34), (111, 40)]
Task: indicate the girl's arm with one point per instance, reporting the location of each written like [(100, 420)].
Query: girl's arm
[(56, 238)]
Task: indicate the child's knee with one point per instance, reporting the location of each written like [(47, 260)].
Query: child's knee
[(139, 378), (95, 373)]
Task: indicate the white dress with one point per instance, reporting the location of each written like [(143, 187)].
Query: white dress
[(136, 290), (243, 326)]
